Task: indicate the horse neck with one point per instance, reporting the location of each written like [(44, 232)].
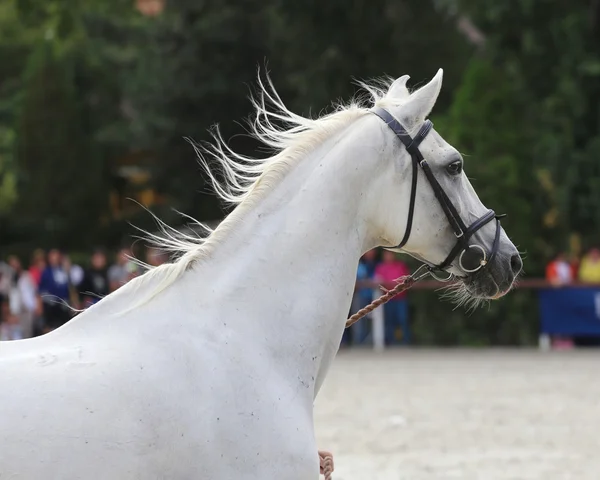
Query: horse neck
[(286, 273)]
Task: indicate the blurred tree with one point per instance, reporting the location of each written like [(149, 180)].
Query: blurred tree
[(8, 187), (200, 61), (195, 69), (548, 52), (15, 43), (80, 49), (490, 123), (8, 180), (61, 177), (324, 46)]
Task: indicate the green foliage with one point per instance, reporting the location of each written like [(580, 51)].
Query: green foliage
[(53, 150), (325, 45), (15, 42), (8, 187), (200, 61), (549, 52), (490, 124), (197, 62)]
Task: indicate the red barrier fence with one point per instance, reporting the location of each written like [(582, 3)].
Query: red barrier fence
[(529, 283)]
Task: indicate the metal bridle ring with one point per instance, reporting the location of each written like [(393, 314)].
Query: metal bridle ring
[(481, 264), (444, 280)]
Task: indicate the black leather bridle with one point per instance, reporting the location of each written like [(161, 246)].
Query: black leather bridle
[(471, 258)]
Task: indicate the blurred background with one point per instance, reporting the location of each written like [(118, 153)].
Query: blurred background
[(96, 97)]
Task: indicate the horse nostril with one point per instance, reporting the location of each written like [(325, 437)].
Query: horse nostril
[(516, 264)]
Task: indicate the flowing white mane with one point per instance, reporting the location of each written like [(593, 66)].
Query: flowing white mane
[(245, 180)]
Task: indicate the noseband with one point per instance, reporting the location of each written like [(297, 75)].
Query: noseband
[(471, 257)]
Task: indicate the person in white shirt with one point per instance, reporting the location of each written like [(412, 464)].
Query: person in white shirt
[(22, 298)]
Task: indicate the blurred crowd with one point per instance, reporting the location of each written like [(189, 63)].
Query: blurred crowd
[(47, 292), (565, 269)]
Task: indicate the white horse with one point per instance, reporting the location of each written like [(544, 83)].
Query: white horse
[(207, 368)]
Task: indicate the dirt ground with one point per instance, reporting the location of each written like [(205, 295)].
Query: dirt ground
[(462, 414)]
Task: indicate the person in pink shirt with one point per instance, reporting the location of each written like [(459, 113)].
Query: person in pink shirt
[(37, 265), (396, 310)]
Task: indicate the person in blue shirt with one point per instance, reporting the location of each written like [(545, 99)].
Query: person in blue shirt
[(54, 292), (363, 296), (370, 260)]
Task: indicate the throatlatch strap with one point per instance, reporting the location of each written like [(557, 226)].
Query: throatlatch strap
[(412, 147), (414, 152)]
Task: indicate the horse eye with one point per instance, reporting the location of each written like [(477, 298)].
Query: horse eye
[(454, 168)]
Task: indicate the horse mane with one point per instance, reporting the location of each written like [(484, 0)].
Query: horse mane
[(245, 180)]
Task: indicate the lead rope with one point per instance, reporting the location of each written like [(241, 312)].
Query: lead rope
[(327, 465), (404, 283)]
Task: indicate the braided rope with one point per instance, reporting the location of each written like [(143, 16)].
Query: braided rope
[(326, 460), (328, 467), (404, 284)]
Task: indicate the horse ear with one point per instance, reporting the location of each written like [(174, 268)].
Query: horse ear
[(398, 89), (420, 103)]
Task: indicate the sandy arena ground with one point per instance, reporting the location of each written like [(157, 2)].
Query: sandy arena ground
[(462, 414)]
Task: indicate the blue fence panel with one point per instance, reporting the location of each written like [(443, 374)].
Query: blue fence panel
[(570, 311)]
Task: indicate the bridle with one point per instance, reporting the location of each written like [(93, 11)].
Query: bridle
[(471, 257)]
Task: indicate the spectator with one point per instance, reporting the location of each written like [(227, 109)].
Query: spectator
[(74, 271), (9, 328), (37, 266), (3, 296), (123, 270), (559, 271), (396, 310), (95, 280), (370, 261), (589, 269), (23, 302), (5, 279), (74, 278), (54, 292)]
